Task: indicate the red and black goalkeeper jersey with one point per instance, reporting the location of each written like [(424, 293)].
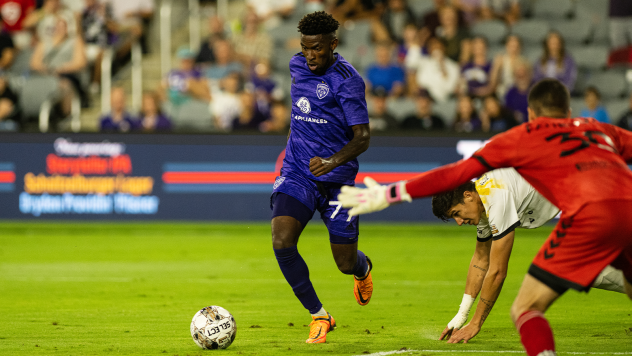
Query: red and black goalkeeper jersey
[(571, 162)]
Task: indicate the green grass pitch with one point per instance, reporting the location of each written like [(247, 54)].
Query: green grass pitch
[(132, 289)]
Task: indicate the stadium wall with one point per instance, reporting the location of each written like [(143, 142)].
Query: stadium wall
[(184, 177)]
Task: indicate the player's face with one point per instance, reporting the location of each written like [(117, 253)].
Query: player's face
[(468, 212), (319, 52)]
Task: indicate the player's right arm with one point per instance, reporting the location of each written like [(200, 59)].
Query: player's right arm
[(622, 141), (475, 276)]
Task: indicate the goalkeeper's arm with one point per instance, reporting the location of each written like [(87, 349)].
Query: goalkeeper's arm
[(475, 276)]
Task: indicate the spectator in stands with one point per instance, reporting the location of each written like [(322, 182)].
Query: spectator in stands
[(409, 39), (279, 119), (625, 121), (504, 65), (453, 35), (466, 118), (9, 111), (476, 74), (119, 119), (555, 62), (430, 21), (45, 20), (225, 62), (516, 97), (471, 9), (506, 10), (385, 73), (343, 10), (227, 104), (380, 119), (7, 48), (594, 109), (76, 6), (423, 118), (151, 117), (186, 82), (495, 117), (620, 14), (94, 24), (14, 12), (272, 12), (206, 55), (434, 72), (251, 44), (133, 18), (63, 56), (395, 18)]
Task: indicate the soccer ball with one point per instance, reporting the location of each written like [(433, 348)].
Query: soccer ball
[(213, 328)]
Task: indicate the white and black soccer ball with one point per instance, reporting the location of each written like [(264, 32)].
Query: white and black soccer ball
[(213, 328)]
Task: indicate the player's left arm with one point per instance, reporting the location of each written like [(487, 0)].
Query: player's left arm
[(359, 143), (492, 285)]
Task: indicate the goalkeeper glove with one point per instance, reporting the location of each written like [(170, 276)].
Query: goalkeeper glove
[(374, 197)]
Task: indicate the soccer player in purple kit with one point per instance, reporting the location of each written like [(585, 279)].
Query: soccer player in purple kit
[(328, 130)]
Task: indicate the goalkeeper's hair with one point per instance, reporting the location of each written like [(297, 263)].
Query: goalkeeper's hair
[(318, 23), (442, 203)]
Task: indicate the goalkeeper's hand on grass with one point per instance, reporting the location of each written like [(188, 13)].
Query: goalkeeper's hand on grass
[(374, 197), (461, 317)]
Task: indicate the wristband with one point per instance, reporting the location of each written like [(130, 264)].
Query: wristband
[(396, 192), (466, 304)]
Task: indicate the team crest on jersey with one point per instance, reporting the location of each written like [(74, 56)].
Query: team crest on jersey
[(304, 105), (322, 90), (278, 182)]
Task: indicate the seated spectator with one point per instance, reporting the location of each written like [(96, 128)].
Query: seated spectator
[(186, 82), (380, 119), (7, 49), (133, 18), (423, 118), (9, 111), (430, 21), (454, 36), (279, 120), (151, 117), (251, 44), (227, 104), (495, 117), (555, 62), (271, 12), (395, 18), (434, 72), (506, 10), (45, 20), (516, 97), (225, 62), (265, 87), (94, 22), (505, 63), (119, 119), (343, 10), (206, 56), (409, 39), (476, 74), (65, 57), (593, 108), (384, 73), (625, 121), (466, 119), (471, 9), (14, 12)]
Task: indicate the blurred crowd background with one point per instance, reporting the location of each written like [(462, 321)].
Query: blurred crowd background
[(457, 66)]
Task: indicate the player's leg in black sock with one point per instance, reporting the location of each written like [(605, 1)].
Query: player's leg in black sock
[(349, 259)]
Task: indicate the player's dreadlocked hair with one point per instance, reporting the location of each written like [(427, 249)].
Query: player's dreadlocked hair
[(443, 202), (318, 23)]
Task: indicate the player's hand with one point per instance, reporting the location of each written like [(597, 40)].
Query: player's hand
[(374, 197), (454, 325), (320, 166), (467, 333)]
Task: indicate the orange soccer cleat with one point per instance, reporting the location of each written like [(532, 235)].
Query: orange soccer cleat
[(319, 327), (363, 288)]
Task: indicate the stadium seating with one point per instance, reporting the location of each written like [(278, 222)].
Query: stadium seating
[(420, 7), (612, 85), (553, 10), (35, 91), (574, 32), (616, 108), (446, 110), (590, 57), (192, 115), (400, 108), (494, 30)]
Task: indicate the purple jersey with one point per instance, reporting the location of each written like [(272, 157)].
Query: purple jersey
[(323, 111)]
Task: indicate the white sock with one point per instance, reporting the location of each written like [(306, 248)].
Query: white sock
[(321, 312)]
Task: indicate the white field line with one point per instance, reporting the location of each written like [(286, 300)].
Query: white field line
[(385, 353)]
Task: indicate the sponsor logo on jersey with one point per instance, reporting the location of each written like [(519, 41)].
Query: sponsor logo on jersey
[(304, 105), (278, 182), (483, 180), (322, 90), (494, 229), (309, 119)]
